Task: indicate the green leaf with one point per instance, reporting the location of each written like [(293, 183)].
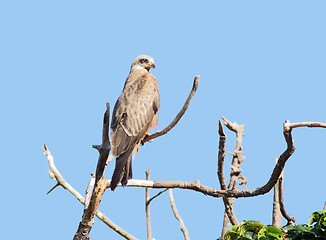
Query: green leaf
[(248, 236), (269, 238), (286, 229), (235, 228), (301, 232), (306, 236), (320, 228), (315, 217), (232, 235), (322, 222), (274, 236), (270, 233), (253, 226), (262, 232), (273, 229)]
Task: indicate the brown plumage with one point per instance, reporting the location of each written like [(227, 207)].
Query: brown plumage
[(134, 114)]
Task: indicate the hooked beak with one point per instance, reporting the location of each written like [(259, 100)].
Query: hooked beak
[(150, 65)]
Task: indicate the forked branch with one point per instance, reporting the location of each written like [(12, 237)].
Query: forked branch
[(85, 225), (55, 174), (229, 216), (179, 115), (197, 186)]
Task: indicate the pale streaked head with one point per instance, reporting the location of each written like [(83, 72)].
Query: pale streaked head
[(143, 61)]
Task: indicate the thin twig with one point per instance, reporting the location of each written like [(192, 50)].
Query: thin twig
[(62, 182), (147, 208), (179, 115), (155, 196), (177, 216)]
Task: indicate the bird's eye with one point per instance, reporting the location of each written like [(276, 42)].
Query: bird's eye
[(143, 60)]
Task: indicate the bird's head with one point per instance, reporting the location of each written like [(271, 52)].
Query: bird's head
[(143, 61)]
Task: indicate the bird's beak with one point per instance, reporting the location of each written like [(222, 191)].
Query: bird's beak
[(150, 65)]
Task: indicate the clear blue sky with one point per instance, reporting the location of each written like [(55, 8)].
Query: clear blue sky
[(260, 62)]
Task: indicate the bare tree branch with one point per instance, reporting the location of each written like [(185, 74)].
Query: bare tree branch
[(155, 196), (220, 172), (179, 115), (277, 215), (147, 208), (234, 174), (237, 155), (177, 216), (307, 124), (85, 225), (289, 218), (89, 191), (197, 186), (57, 176), (232, 191), (62, 182), (221, 156)]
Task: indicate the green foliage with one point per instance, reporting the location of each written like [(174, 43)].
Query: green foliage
[(254, 230), (316, 228)]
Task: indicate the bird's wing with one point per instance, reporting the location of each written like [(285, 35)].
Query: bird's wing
[(134, 112)]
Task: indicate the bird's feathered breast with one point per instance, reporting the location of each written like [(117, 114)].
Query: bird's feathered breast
[(134, 110)]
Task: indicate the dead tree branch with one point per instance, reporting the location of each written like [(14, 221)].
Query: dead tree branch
[(104, 149), (236, 193), (276, 215), (89, 190), (228, 203), (55, 174), (147, 208), (221, 156), (307, 124), (234, 175), (179, 115), (289, 218), (237, 155), (177, 216)]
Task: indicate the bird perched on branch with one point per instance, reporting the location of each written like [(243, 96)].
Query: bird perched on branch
[(135, 114)]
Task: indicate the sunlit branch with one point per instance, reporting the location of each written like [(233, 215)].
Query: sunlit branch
[(179, 115)]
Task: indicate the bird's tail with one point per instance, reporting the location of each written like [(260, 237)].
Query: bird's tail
[(122, 171)]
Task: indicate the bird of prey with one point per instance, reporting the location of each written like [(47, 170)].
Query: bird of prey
[(135, 114)]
